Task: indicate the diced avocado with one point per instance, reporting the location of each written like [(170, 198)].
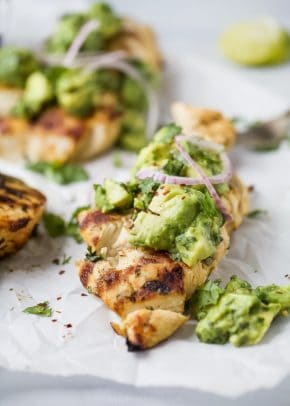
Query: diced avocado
[(167, 133), (101, 200), (275, 294), (16, 64), (194, 245), (239, 318), (38, 91), (169, 213), (75, 91), (237, 285), (116, 194), (110, 24), (205, 297), (152, 231), (155, 154), (132, 141), (132, 94)]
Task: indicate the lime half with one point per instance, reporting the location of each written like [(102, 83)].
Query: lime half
[(258, 42)]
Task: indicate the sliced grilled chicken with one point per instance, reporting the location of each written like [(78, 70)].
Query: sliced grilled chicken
[(131, 279), (57, 136), (140, 42), (8, 98), (13, 132), (21, 208), (145, 328), (209, 124)]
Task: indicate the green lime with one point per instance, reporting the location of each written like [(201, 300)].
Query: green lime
[(258, 42)]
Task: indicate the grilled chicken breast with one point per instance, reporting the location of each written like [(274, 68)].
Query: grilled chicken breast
[(57, 136), (21, 208), (8, 98), (147, 288), (140, 42), (209, 124), (132, 279), (13, 133)]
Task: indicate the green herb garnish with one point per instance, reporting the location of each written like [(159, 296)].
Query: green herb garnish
[(256, 213), (62, 174), (41, 309), (57, 227), (92, 255)]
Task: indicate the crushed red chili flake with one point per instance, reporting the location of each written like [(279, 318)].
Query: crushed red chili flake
[(251, 188), (54, 320), (84, 294), (61, 272), (68, 325), (11, 289), (59, 298)]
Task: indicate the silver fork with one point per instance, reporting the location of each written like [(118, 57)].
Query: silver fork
[(266, 135)]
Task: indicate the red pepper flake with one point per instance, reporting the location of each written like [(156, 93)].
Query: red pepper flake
[(61, 272), (251, 188), (54, 320), (68, 325), (287, 276), (11, 289), (59, 298), (84, 294)]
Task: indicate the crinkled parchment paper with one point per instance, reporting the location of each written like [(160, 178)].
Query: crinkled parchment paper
[(78, 338)]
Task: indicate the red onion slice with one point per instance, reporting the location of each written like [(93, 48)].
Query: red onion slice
[(121, 65), (205, 180), (77, 43)]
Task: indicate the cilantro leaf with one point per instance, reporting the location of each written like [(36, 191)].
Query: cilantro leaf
[(57, 227), (92, 255), (205, 297), (256, 213), (62, 174), (41, 309)]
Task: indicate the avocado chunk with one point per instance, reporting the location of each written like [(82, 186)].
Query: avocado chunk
[(16, 64), (204, 298), (168, 215), (241, 319), (101, 200), (38, 91), (275, 294), (75, 91), (116, 194)]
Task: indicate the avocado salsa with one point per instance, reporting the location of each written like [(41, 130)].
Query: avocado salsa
[(182, 220), (237, 313), (78, 92)]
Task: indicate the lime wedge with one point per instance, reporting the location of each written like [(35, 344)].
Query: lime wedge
[(258, 42)]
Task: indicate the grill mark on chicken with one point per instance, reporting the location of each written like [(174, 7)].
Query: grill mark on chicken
[(56, 120), (21, 208), (96, 217), (86, 269), (18, 224)]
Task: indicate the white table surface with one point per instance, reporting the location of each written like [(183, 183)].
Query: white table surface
[(193, 26)]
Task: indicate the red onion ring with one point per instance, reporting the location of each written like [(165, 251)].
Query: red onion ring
[(120, 64), (77, 43), (203, 179), (202, 175)]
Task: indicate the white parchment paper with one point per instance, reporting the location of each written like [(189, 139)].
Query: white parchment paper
[(78, 338)]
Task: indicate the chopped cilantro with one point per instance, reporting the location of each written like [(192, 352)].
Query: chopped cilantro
[(92, 255), (256, 213), (173, 166), (41, 309), (147, 188), (65, 259), (59, 173), (57, 227), (205, 297)]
